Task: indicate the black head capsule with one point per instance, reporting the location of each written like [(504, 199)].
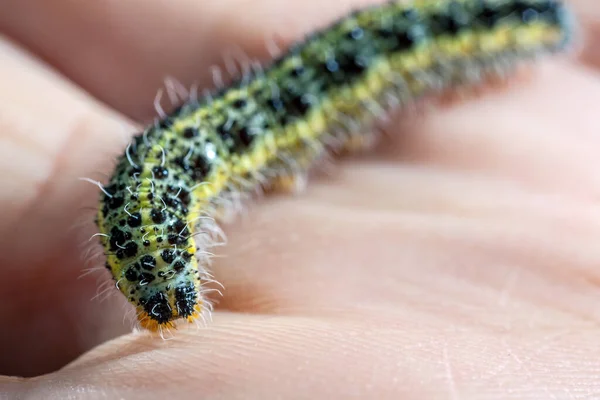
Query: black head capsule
[(186, 299), (158, 308)]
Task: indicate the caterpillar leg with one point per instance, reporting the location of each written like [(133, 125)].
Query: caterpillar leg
[(289, 173), (288, 183), (500, 80), (356, 143)]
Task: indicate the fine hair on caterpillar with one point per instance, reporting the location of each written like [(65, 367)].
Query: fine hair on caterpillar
[(274, 123)]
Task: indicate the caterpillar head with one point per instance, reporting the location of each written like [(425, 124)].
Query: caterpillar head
[(166, 303)]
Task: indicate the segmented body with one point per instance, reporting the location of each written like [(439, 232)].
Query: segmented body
[(319, 94)]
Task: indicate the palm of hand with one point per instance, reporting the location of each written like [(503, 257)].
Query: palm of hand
[(460, 260)]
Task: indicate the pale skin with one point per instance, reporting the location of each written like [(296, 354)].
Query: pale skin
[(460, 260)]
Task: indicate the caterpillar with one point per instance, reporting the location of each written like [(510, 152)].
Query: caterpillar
[(316, 98)]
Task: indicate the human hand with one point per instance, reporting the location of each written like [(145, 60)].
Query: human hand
[(460, 260)]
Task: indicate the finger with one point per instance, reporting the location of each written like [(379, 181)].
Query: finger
[(429, 356), (122, 51), (588, 12), (52, 134)]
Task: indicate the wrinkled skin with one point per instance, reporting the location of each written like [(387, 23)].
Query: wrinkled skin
[(461, 260)]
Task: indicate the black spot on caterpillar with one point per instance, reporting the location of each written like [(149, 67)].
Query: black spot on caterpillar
[(173, 176)]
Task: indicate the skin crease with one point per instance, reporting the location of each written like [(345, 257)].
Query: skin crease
[(457, 261)]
